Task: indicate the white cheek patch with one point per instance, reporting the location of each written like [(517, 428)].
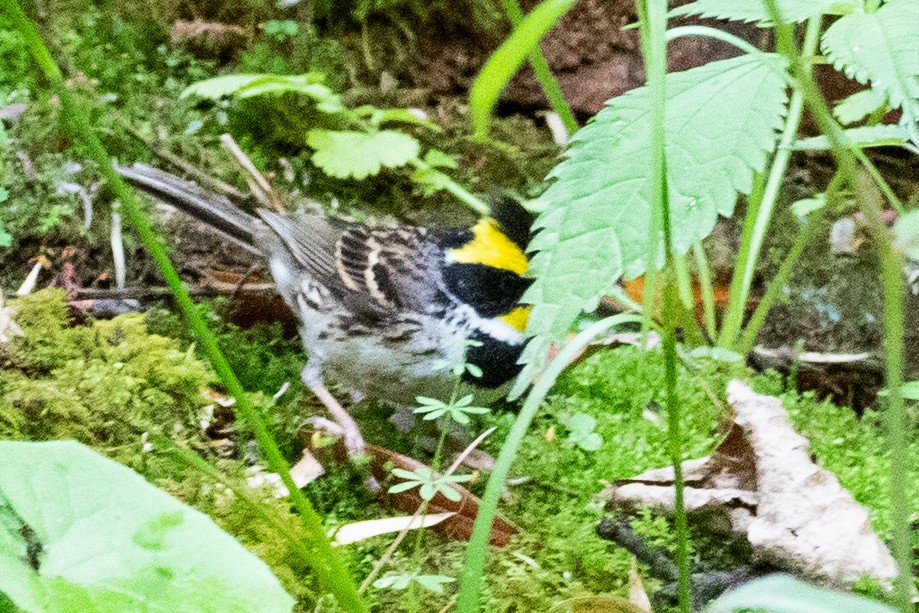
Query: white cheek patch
[(493, 327)]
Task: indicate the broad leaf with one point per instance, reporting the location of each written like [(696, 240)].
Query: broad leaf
[(792, 11), (79, 532), (862, 137), (858, 106), (882, 48), (722, 120), (785, 594), (347, 153)]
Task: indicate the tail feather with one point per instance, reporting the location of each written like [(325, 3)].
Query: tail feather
[(213, 209)]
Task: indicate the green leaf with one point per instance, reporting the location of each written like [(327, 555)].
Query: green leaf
[(6, 239), (433, 583), (908, 391), (403, 487), (439, 159), (79, 532), (582, 422), (880, 48), (784, 594), (862, 137), (792, 11), (427, 491), (507, 59), (906, 234), (350, 154), (858, 106), (378, 116), (722, 122), (251, 85), (450, 493), (591, 442)]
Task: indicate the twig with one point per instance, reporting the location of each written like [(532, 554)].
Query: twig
[(118, 248), (185, 166), (261, 188)]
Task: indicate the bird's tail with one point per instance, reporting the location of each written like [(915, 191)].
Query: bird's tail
[(217, 211)]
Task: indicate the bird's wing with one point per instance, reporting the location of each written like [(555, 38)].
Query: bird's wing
[(374, 271)]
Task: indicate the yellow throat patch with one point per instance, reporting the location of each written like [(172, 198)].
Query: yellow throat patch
[(517, 318), (491, 247)]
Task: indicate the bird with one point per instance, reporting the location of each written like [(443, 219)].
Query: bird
[(381, 308)]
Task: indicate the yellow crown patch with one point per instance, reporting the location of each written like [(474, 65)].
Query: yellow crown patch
[(491, 247)]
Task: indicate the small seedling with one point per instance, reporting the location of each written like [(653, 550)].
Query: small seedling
[(429, 485), (582, 435), (400, 581)]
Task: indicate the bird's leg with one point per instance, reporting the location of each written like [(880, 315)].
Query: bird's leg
[(353, 440)]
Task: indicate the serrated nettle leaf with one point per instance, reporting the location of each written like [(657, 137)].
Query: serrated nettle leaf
[(358, 155), (107, 540), (792, 11), (863, 137), (881, 48), (858, 106), (722, 122), (906, 234)]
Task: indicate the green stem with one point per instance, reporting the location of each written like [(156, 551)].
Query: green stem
[(471, 578), (750, 249), (654, 26), (326, 562), (462, 194), (543, 73), (879, 180), (897, 421), (775, 287), (708, 290)]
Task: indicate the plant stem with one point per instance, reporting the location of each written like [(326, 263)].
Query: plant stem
[(463, 195), (323, 559), (753, 242), (776, 286), (654, 26), (897, 422), (708, 290), (544, 73), (471, 578)]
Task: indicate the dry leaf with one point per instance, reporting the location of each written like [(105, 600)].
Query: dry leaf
[(795, 514), (363, 530)]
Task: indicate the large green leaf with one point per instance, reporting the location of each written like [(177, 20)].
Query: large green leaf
[(792, 11), (785, 594), (722, 120), (882, 48), (79, 532)]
